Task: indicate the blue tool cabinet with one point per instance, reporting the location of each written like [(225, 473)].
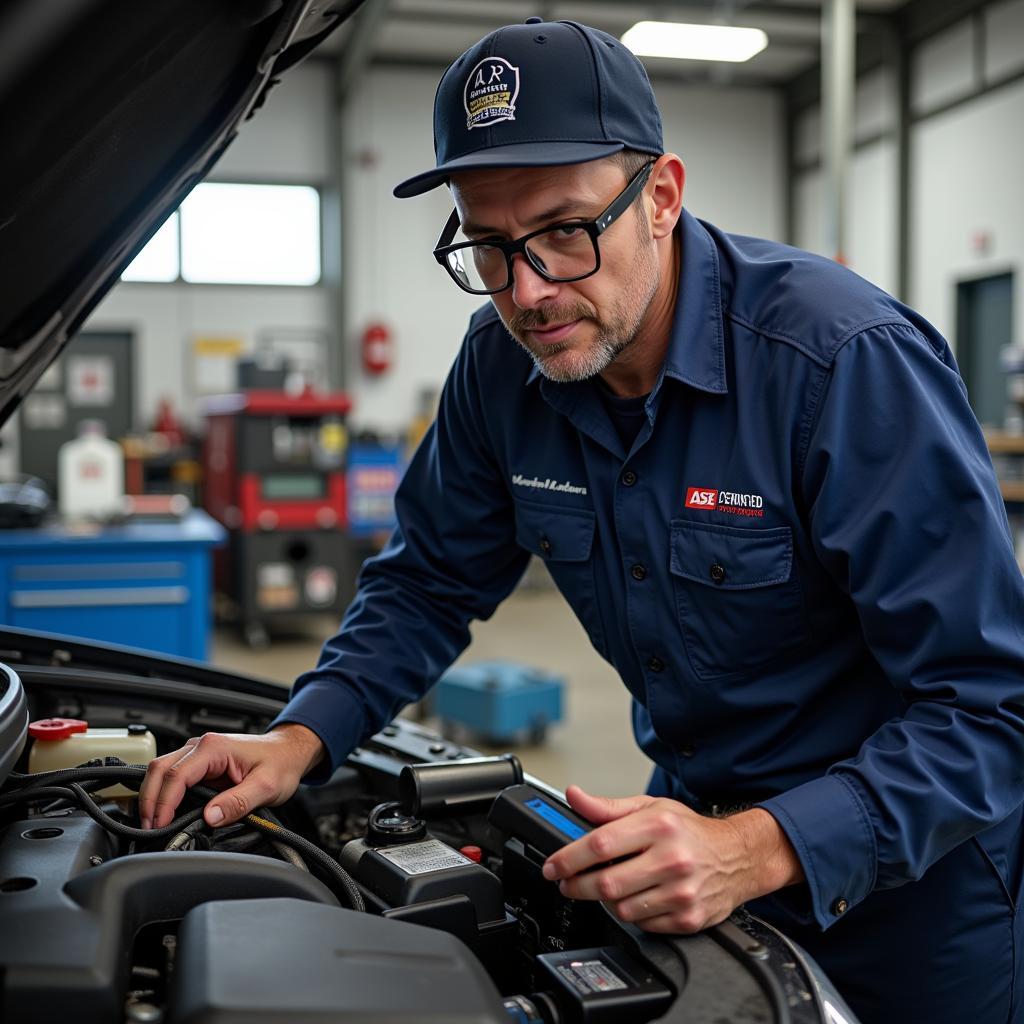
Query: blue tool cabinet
[(144, 585)]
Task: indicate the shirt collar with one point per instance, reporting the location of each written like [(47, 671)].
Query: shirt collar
[(696, 351)]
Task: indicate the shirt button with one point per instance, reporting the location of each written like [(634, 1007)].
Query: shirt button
[(840, 907), (545, 547), (628, 478), (655, 664), (687, 750), (638, 572), (717, 572)]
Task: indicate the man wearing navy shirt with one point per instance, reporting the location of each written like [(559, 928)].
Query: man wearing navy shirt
[(757, 480)]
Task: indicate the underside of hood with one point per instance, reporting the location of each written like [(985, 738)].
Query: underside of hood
[(111, 111)]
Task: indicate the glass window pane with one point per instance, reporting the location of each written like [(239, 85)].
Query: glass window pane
[(158, 260), (251, 234)]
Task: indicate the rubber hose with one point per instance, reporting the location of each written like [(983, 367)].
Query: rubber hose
[(29, 787)]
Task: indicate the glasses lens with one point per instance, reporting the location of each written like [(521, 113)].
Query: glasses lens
[(563, 253), (479, 268)]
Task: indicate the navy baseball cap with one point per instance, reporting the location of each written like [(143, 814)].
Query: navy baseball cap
[(535, 95)]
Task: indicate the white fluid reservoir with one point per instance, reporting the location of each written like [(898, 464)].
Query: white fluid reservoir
[(68, 742), (90, 474)]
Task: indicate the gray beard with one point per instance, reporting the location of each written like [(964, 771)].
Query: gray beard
[(614, 335)]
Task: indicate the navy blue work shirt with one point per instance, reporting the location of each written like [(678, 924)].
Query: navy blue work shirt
[(801, 567)]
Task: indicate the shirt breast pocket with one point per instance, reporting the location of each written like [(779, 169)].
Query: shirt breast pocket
[(564, 538), (738, 602)]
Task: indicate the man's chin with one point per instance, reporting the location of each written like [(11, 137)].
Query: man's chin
[(564, 364)]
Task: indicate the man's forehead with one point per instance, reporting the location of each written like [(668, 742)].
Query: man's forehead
[(532, 187)]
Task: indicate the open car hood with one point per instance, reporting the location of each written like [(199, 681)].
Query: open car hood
[(111, 112)]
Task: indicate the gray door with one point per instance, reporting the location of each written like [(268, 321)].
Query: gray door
[(984, 311), (92, 380)]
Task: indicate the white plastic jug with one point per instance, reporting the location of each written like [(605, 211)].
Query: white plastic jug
[(90, 473)]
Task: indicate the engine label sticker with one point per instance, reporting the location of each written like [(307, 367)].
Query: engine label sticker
[(588, 976), (419, 858)]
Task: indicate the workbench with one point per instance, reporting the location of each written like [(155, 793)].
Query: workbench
[(1007, 451), (143, 584)]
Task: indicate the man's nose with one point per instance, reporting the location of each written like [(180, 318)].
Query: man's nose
[(529, 289)]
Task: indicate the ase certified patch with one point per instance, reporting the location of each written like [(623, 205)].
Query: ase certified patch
[(710, 499), (701, 497)]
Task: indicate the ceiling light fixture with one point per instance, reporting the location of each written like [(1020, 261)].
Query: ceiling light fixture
[(694, 42)]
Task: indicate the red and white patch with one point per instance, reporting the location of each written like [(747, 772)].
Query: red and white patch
[(701, 497), (708, 499)]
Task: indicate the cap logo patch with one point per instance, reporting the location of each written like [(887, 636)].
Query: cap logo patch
[(490, 93)]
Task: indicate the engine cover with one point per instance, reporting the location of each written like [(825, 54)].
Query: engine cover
[(288, 961)]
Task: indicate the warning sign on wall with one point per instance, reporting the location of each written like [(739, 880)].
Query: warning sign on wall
[(91, 380)]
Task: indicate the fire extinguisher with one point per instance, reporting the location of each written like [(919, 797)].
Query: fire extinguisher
[(378, 349)]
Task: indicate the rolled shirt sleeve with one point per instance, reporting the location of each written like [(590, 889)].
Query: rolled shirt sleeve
[(906, 515), (451, 559)]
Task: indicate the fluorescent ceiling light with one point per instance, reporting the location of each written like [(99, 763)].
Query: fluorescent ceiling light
[(694, 42)]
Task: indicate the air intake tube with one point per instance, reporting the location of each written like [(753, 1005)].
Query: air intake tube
[(445, 788)]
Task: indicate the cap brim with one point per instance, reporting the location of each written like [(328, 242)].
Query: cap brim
[(526, 154)]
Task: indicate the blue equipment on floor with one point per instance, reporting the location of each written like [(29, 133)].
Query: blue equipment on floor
[(500, 700)]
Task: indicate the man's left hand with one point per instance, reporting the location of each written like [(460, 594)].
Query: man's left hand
[(683, 872)]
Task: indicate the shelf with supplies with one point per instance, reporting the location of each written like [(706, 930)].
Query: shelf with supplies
[(1007, 452)]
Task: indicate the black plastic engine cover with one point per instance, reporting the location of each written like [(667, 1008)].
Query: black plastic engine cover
[(287, 961), (68, 927)]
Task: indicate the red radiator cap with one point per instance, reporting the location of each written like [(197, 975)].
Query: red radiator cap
[(56, 728)]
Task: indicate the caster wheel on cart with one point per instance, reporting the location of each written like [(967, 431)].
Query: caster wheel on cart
[(452, 731), (255, 634), (538, 734)]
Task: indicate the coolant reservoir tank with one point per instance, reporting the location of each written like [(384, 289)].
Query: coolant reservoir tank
[(66, 742)]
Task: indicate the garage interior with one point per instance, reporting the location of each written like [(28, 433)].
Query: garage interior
[(341, 301), (222, 342)]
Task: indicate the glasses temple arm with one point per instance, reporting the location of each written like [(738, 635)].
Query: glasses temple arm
[(621, 202), (448, 231)]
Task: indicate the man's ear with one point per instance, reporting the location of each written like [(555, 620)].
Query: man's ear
[(668, 178)]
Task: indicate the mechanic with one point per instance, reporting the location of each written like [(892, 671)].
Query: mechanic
[(757, 480)]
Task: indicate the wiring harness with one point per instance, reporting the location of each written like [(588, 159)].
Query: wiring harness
[(69, 784)]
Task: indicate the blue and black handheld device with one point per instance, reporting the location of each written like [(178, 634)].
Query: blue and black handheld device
[(537, 819)]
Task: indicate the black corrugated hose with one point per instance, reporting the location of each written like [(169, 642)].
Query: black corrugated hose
[(64, 784)]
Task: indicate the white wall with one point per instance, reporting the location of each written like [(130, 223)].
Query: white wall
[(966, 204), (1004, 39), (967, 179), (871, 209), (871, 238), (942, 68), (730, 140), (287, 142)]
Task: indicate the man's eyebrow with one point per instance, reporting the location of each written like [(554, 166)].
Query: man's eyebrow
[(549, 216)]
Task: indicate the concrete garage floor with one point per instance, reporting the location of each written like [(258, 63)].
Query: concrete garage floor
[(593, 747)]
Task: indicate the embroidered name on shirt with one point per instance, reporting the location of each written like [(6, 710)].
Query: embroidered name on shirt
[(708, 499), (547, 484)]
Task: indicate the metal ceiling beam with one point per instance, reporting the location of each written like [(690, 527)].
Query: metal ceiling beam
[(350, 64), (701, 76), (667, 8), (838, 81), (804, 89), (912, 23), (922, 18), (358, 50), (486, 24)]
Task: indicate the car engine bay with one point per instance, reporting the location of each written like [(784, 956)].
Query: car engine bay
[(407, 887)]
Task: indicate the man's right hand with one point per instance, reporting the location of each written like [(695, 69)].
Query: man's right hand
[(254, 771)]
